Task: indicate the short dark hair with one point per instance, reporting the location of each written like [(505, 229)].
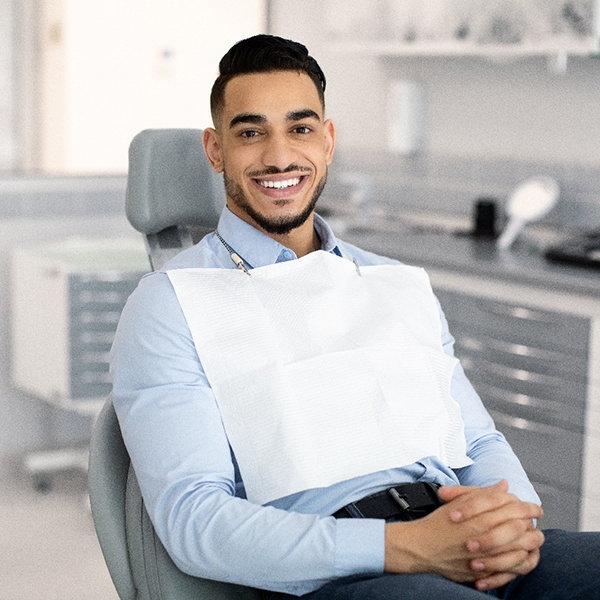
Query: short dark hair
[(261, 54)]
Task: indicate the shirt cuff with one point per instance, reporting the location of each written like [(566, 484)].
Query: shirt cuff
[(359, 546)]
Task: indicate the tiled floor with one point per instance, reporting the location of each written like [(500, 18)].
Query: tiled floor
[(48, 548)]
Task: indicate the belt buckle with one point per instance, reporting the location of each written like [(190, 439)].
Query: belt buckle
[(402, 502), (423, 503)]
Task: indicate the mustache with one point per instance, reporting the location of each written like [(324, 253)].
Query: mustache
[(276, 171)]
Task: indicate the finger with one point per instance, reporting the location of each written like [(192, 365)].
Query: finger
[(518, 562), (494, 581), (479, 500), (531, 541), (488, 582), (505, 562), (503, 527), (448, 493)]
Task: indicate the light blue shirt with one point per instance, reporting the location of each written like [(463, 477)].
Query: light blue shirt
[(174, 433)]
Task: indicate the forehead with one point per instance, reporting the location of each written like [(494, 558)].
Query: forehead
[(273, 94)]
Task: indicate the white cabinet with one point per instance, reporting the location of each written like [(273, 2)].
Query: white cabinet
[(66, 301)]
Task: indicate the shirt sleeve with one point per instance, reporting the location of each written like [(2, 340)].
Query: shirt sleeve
[(493, 457), (173, 432)]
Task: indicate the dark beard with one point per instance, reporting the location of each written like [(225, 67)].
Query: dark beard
[(281, 225)]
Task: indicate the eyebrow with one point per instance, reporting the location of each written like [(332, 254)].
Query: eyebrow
[(305, 113), (258, 119), (247, 118)]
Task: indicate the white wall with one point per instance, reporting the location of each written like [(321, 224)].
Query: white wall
[(6, 86), (108, 82), (517, 109), (112, 68)]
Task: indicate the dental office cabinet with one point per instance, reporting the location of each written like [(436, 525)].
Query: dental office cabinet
[(66, 299), (528, 336), (533, 363)]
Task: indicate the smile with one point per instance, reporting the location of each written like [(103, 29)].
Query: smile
[(279, 185)]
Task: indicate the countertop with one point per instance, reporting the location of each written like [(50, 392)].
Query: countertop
[(462, 253)]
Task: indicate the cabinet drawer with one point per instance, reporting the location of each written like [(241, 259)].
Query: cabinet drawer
[(529, 358), (104, 288), (516, 323), (96, 301), (560, 412), (91, 383), (548, 453), (519, 382)]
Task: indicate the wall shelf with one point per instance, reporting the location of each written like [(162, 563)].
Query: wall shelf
[(505, 29), (449, 49)]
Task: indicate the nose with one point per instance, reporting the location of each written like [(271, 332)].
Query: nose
[(278, 152)]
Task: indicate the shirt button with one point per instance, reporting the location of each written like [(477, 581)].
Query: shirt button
[(288, 255)]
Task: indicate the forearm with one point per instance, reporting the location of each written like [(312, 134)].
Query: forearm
[(229, 539), (210, 533)]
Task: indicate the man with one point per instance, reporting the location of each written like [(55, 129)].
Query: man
[(330, 393)]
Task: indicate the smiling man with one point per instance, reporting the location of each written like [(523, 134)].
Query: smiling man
[(273, 153), (299, 423)]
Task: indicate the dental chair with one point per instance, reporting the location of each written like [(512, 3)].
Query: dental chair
[(173, 198)]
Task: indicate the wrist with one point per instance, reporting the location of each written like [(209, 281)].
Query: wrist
[(401, 554)]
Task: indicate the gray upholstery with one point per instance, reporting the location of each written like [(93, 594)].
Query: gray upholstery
[(170, 188), (107, 482), (170, 181)]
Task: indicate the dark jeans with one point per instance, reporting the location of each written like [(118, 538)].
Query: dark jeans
[(569, 569)]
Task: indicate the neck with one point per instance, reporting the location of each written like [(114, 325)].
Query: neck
[(302, 241)]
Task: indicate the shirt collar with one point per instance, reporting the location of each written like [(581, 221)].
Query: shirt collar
[(258, 249)]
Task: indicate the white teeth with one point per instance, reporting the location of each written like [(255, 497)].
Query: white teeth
[(280, 184)]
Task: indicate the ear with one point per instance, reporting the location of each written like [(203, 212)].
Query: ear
[(329, 140), (212, 149)]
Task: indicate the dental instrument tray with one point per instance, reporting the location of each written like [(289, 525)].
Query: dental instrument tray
[(581, 250)]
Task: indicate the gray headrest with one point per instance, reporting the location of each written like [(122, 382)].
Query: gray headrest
[(170, 181)]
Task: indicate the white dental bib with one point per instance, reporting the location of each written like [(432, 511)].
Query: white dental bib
[(322, 374)]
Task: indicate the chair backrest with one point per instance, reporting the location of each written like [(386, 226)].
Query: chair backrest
[(107, 482), (171, 192)]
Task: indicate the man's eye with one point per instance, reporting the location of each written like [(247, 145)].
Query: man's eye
[(249, 133), (302, 129)]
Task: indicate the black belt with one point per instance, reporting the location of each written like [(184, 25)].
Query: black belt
[(404, 502)]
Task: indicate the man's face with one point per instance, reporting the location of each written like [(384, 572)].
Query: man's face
[(273, 146)]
